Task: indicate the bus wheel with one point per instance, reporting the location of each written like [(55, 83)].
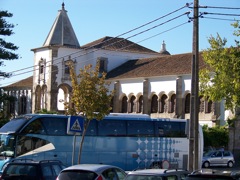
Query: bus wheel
[(206, 164)]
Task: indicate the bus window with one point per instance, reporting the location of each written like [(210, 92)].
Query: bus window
[(170, 129), (34, 127), (140, 128), (26, 144), (111, 128), (92, 128), (55, 126), (7, 145)]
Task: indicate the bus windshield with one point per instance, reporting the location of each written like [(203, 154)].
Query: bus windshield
[(13, 125), (7, 145)]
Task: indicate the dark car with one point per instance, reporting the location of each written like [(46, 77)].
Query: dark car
[(22, 169), (92, 172), (209, 174), (157, 174)]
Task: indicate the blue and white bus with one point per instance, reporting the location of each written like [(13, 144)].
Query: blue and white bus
[(125, 140)]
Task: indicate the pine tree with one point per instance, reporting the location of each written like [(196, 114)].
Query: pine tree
[(6, 48)]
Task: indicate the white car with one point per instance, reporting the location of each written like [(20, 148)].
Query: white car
[(92, 172)]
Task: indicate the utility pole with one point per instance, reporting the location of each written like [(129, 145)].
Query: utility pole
[(194, 121)]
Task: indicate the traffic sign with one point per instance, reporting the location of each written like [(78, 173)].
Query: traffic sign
[(75, 124)]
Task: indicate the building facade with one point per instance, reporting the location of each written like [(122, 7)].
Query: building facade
[(144, 81)]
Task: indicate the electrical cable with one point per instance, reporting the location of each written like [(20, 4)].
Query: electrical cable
[(108, 44), (114, 37), (128, 45), (219, 18)]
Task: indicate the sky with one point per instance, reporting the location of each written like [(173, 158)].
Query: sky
[(160, 20)]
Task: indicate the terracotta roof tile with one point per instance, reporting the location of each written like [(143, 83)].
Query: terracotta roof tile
[(110, 43), (157, 66), (28, 82)]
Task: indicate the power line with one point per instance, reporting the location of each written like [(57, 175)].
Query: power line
[(122, 47), (218, 7), (224, 19), (60, 58), (221, 14), (115, 36)]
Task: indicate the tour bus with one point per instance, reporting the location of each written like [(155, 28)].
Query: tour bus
[(124, 140)]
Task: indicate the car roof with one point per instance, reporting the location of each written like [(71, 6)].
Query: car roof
[(207, 176), (156, 171), (90, 167)]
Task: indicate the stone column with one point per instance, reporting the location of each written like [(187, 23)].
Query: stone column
[(146, 107), (179, 99), (116, 104)]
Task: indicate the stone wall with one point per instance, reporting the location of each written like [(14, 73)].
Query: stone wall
[(234, 140)]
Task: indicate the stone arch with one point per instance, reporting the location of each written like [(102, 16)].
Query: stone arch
[(154, 103), (123, 101), (172, 102), (64, 96), (163, 103), (139, 103), (187, 101), (131, 103)]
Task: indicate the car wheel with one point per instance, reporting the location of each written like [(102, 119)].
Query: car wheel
[(206, 164), (230, 164)]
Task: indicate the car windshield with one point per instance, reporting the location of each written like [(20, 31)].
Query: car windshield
[(208, 154), (20, 170), (7, 145), (144, 177), (76, 174)]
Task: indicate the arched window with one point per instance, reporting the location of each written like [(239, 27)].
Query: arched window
[(154, 104), (187, 103), (140, 104), (132, 107), (172, 104), (124, 104), (163, 104)]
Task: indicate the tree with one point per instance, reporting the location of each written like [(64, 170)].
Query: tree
[(215, 137), (222, 79), (6, 48), (90, 98)]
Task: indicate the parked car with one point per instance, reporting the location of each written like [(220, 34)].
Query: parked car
[(92, 172), (213, 174), (23, 169), (218, 158), (157, 174)]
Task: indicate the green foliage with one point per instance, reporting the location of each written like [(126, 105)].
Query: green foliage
[(6, 48), (222, 79), (217, 136), (90, 98), (45, 111)]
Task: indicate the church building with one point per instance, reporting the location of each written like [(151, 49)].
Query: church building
[(144, 81)]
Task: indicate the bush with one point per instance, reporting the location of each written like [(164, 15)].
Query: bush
[(215, 136)]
